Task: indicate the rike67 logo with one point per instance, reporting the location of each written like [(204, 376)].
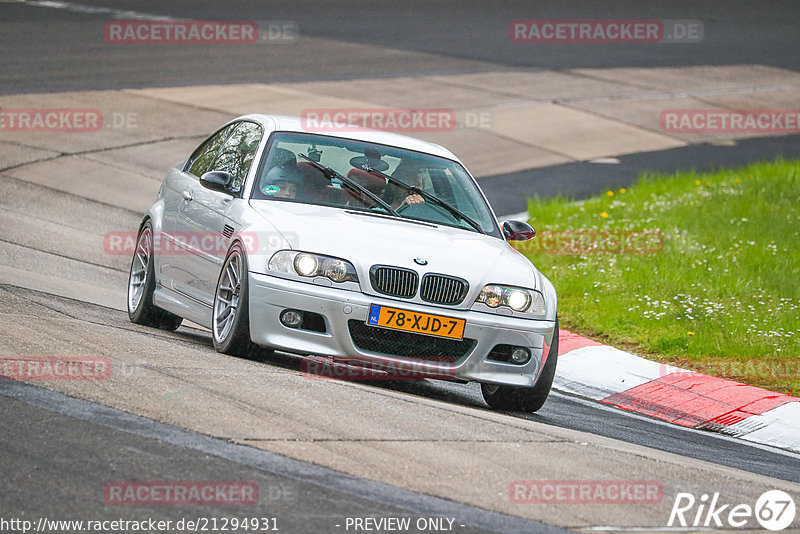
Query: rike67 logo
[(774, 510)]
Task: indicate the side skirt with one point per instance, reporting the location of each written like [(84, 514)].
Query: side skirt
[(182, 305)]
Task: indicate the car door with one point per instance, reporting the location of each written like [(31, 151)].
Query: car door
[(204, 223), (178, 194)]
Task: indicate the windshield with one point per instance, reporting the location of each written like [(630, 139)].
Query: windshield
[(286, 175)]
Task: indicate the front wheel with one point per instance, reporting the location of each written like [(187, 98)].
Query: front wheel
[(525, 399), (142, 284), (230, 323)]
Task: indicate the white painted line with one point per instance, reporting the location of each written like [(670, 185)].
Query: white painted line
[(652, 420), (95, 10), (598, 372), (779, 427), (605, 161)]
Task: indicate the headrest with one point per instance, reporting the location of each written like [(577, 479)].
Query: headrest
[(282, 157), (374, 183), (312, 176)]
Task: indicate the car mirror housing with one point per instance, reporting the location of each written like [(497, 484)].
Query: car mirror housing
[(220, 181), (518, 231)]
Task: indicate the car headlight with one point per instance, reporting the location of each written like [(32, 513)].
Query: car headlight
[(517, 298), (310, 265), (306, 264)]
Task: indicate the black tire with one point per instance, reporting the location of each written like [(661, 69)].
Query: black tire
[(141, 309), (525, 399), (232, 336)]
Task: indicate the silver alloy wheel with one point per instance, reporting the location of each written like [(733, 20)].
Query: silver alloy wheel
[(227, 298), (139, 267)]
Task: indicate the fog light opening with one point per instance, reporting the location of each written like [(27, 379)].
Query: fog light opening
[(291, 318), (520, 355)]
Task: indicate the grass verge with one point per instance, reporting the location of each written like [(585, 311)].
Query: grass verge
[(696, 270)]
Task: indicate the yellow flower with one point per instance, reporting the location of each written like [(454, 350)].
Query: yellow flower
[(697, 182), (603, 214), (610, 193), (736, 180), (690, 333), (623, 190)]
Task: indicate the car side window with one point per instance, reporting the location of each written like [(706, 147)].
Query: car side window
[(203, 155), (236, 155)]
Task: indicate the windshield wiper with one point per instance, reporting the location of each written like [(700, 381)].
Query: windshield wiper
[(330, 174), (427, 196)]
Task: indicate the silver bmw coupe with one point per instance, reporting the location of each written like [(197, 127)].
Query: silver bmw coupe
[(371, 248)]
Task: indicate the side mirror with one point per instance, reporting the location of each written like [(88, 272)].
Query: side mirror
[(219, 181), (518, 231)]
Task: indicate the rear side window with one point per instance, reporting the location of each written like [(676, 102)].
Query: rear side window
[(236, 155), (203, 155)]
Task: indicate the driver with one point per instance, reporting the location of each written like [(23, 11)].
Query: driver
[(283, 179), (410, 172)]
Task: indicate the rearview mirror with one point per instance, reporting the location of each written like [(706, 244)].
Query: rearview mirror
[(518, 231), (217, 181)]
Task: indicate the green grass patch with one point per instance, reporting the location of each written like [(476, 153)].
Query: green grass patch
[(697, 270)]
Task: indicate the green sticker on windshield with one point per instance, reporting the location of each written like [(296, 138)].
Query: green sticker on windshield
[(271, 189)]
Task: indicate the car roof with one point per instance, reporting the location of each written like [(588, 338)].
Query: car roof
[(284, 123)]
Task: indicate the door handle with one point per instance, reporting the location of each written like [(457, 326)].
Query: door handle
[(187, 195)]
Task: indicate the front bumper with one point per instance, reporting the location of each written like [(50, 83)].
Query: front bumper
[(270, 295)]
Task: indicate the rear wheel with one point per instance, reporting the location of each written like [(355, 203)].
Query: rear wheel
[(525, 399), (142, 283)]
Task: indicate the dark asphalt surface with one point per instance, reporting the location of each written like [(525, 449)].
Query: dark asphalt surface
[(567, 411), (560, 409), (508, 193), (48, 49), (57, 453), (57, 49)]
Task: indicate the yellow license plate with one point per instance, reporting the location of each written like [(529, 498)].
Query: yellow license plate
[(421, 323)]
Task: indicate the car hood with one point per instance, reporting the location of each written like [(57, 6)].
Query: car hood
[(368, 239)]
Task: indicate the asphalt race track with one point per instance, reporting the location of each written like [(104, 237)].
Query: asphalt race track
[(401, 38), (323, 451)]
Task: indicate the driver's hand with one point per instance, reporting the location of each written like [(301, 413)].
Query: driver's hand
[(414, 199)]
